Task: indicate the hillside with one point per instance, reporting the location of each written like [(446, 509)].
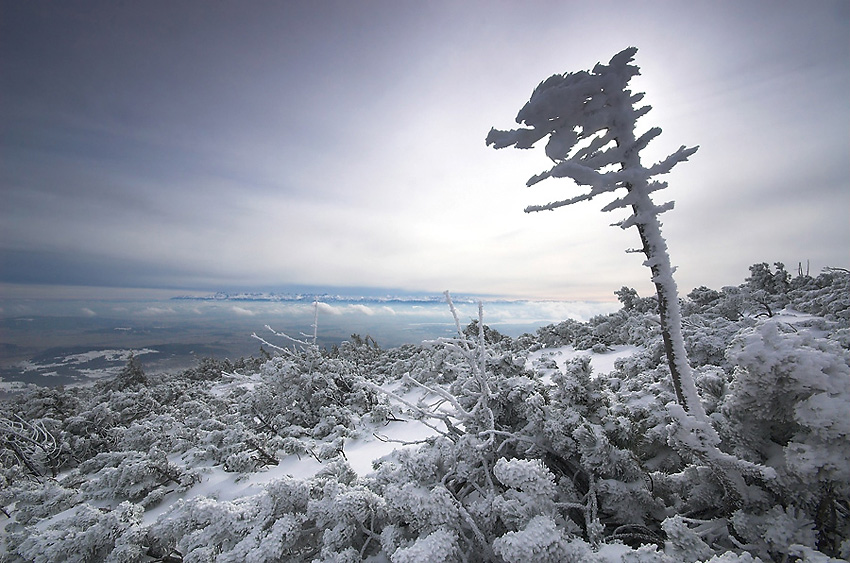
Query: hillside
[(561, 445)]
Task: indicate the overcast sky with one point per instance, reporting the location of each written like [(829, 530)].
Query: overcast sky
[(216, 145)]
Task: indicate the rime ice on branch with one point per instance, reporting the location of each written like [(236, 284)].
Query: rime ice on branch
[(590, 118)]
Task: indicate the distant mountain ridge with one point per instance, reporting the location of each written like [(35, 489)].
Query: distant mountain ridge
[(323, 297)]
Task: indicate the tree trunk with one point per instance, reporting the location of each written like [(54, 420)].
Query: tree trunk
[(658, 261), (664, 300)]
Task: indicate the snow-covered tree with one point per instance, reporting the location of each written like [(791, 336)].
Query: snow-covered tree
[(29, 444), (590, 119)]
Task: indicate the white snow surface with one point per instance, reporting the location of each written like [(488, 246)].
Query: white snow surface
[(601, 363)]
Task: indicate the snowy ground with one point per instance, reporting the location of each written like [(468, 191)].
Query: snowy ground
[(601, 363)]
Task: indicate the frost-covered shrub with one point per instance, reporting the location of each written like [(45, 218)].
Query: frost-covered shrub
[(639, 330), (437, 547), (636, 418), (699, 300), (733, 304), (309, 391), (90, 432), (791, 390), (228, 441), (711, 382), (771, 534), (576, 388), (683, 544), (827, 296), (162, 432), (34, 501), (240, 462), (530, 491), (130, 475), (708, 336), (270, 526), (540, 540), (131, 377), (765, 290), (212, 369), (327, 518), (619, 481), (349, 514), (46, 402), (85, 534), (443, 366), (635, 324), (567, 333), (787, 407), (423, 510), (632, 302), (493, 339), (423, 363)]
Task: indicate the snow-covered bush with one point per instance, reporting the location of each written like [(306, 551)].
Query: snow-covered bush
[(772, 533), (350, 515), (33, 501), (729, 303), (530, 491), (791, 390), (309, 391), (682, 543), (787, 407), (437, 547), (827, 296), (767, 291), (539, 540), (267, 527), (86, 534), (141, 477), (707, 336), (131, 377)]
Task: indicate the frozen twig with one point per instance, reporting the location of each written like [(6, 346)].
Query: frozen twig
[(389, 440), (480, 419)]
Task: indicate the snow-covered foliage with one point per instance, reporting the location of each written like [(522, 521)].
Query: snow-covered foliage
[(526, 456)]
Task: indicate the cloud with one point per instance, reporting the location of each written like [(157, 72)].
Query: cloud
[(362, 309), (551, 311), (157, 311), (242, 311), (88, 312), (237, 162), (328, 309)]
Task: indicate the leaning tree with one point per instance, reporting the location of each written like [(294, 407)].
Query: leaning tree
[(590, 121)]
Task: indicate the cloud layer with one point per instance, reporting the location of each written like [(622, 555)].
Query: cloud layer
[(193, 145)]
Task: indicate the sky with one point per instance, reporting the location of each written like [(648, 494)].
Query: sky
[(340, 144)]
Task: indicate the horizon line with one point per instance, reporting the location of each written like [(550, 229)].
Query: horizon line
[(95, 292)]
